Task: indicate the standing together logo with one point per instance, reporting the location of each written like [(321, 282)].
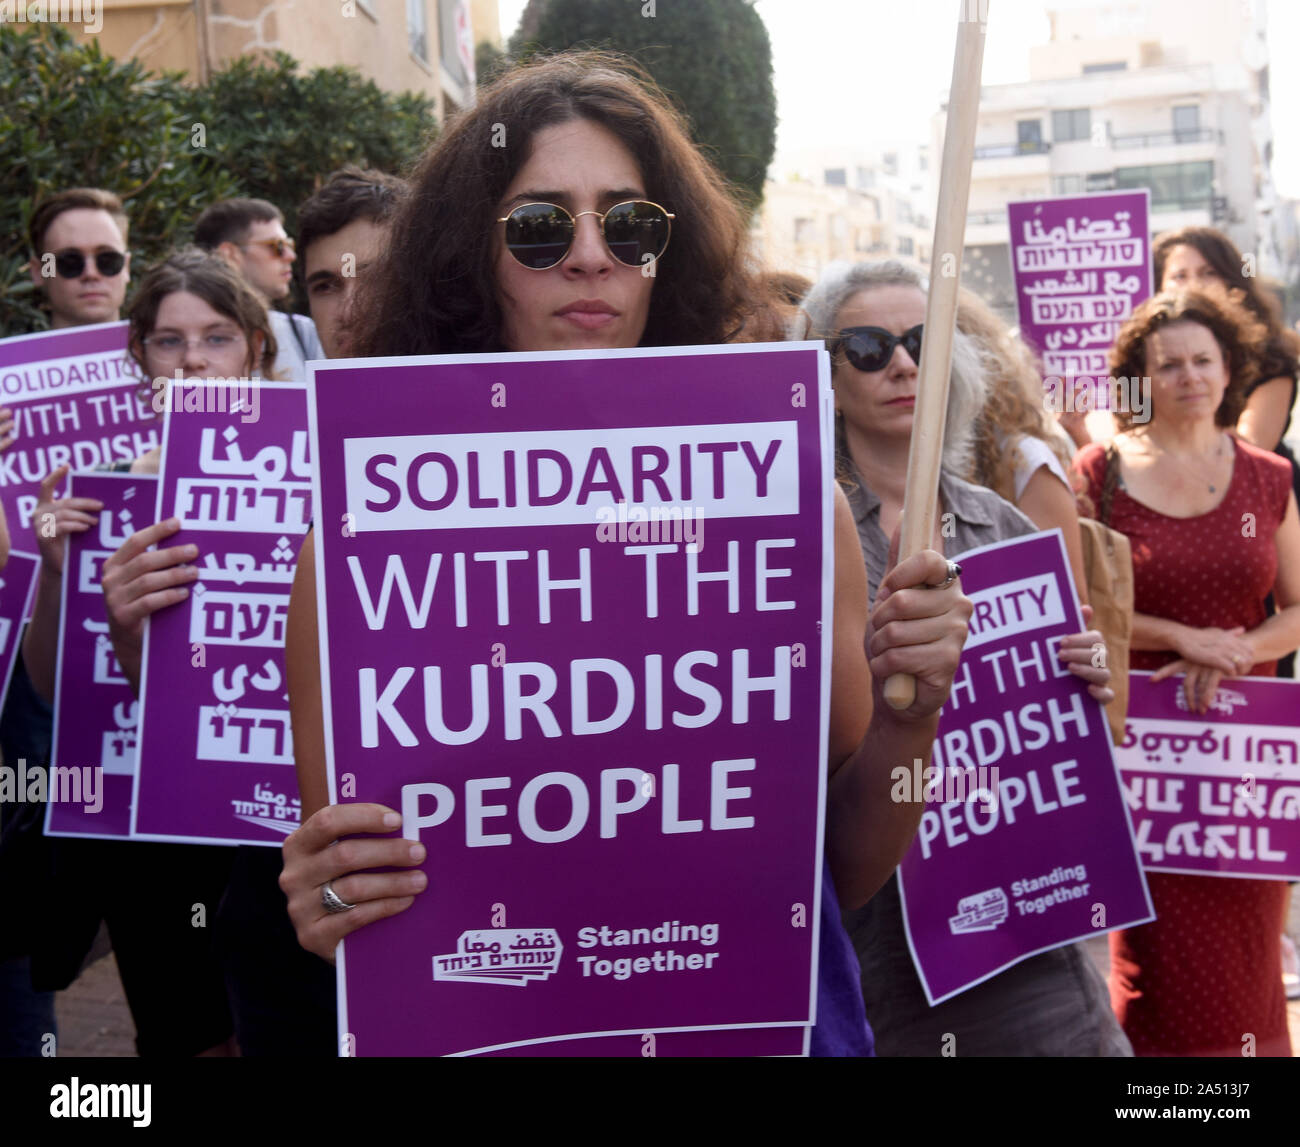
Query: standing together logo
[(502, 956)]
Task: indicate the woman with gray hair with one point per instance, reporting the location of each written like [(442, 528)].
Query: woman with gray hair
[(873, 316)]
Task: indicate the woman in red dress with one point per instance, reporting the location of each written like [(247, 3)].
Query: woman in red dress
[(1213, 525)]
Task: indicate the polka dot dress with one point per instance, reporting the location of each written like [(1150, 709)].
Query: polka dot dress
[(1206, 977)]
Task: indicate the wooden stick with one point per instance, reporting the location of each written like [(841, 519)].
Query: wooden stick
[(920, 499)]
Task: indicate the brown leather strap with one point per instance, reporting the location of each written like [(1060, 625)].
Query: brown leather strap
[(1110, 479)]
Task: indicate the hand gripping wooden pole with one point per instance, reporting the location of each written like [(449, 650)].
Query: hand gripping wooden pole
[(921, 496)]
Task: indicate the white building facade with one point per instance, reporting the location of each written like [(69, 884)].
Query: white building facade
[(1171, 95)]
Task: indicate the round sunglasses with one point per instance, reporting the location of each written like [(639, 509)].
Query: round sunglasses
[(539, 235), (871, 348), (70, 264)]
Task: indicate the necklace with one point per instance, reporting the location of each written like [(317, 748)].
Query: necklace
[(1214, 464)]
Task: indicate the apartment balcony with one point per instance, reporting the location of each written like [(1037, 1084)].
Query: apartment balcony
[(986, 228), (1000, 160), (1166, 138), (1000, 150)]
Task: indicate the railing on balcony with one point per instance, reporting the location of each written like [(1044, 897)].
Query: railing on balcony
[(1004, 150), (984, 218), (1166, 138)]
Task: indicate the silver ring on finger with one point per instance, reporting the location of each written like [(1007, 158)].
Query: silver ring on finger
[(331, 901), (954, 572)]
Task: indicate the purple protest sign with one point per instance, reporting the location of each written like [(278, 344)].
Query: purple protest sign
[(1215, 794), (1081, 264), (17, 585), (75, 397), (572, 611), (1027, 845), (96, 716), (216, 755)]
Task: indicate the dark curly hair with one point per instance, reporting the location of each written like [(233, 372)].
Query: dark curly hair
[(1241, 337), (1279, 357), (436, 292)]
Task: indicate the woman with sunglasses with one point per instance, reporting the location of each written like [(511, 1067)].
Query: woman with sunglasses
[(193, 314), (561, 240), (873, 314)]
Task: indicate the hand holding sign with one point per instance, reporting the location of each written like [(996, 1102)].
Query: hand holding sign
[(138, 581), (918, 629), (315, 854), (1079, 652), (1207, 656), (53, 519)]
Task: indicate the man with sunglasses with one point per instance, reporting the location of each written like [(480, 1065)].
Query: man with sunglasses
[(249, 234), (79, 256), (81, 264)]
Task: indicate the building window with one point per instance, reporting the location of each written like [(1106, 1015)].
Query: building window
[(417, 29), (835, 177), (1109, 66), (905, 246), (1187, 123), (866, 178), (805, 230), (903, 212), (1174, 186), (1071, 124), (1029, 131), (1067, 184)]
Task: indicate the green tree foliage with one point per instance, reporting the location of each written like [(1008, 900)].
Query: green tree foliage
[(712, 57), (279, 133), (489, 62), (73, 117)]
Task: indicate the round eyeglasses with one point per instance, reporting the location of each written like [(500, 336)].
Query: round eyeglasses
[(540, 235)]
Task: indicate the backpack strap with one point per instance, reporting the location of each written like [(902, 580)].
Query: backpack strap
[(297, 334), (1109, 481)]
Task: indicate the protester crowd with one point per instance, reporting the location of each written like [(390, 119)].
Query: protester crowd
[(543, 246)]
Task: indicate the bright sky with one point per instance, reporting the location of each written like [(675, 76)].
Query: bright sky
[(870, 72)]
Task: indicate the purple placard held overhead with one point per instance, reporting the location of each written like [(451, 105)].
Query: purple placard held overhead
[(96, 716), (17, 585), (1027, 845), (76, 398), (1081, 264), (1215, 794), (216, 754), (572, 612)]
